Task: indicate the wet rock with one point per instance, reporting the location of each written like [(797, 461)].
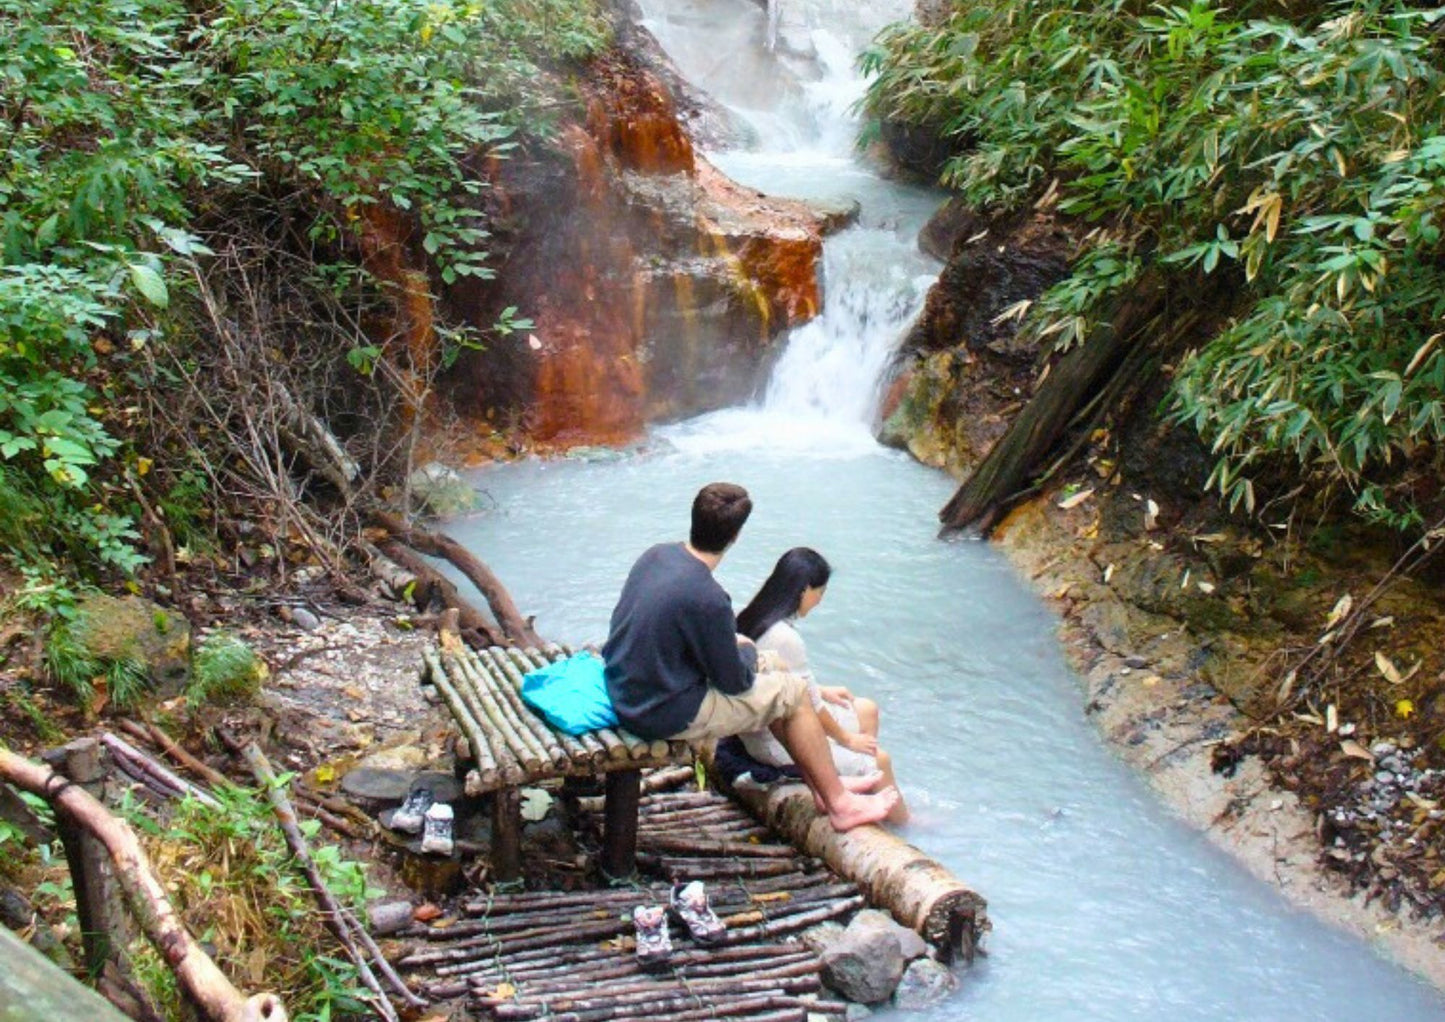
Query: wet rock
[(923, 985), (857, 1012), (866, 963), (131, 628), (439, 490), (836, 215)]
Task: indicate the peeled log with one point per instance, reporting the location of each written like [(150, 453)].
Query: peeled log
[(919, 892)]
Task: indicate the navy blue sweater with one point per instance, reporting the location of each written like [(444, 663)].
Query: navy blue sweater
[(673, 634)]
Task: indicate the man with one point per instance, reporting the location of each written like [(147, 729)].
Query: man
[(676, 667)]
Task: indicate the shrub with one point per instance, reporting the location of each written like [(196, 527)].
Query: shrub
[(1305, 158)]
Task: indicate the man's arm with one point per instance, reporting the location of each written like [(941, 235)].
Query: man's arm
[(730, 668)]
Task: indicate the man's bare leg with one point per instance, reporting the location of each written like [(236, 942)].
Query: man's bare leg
[(803, 736)]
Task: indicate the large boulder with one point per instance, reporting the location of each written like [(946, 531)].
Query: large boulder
[(110, 629), (867, 962)]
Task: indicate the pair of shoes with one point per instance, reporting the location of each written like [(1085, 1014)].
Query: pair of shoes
[(436, 836), (689, 903), (411, 814)]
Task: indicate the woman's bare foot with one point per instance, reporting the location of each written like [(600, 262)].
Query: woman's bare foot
[(863, 782), (854, 810)]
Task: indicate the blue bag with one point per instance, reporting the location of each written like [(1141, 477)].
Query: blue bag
[(571, 694)]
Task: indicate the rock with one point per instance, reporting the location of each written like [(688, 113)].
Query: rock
[(304, 619), (923, 985), (820, 938), (836, 214), (388, 917), (856, 1012), (866, 963), (439, 490), (375, 788), (131, 628)]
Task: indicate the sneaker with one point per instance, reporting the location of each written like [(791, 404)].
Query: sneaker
[(654, 944), (437, 835), (690, 903), (409, 816)]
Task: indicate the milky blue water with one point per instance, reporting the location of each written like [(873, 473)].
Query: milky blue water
[(1104, 906)]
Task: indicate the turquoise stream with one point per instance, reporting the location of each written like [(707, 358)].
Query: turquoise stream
[(1104, 906)]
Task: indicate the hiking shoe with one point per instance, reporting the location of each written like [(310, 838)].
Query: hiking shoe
[(690, 903), (654, 945), (410, 815), (436, 836)]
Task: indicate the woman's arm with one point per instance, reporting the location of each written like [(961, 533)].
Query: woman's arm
[(857, 741)]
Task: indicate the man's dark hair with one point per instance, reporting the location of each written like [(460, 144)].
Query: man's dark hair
[(718, 513)]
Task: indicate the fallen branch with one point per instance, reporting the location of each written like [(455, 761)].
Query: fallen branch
[(430, 582), (339, 921), (515, 630), (203, 983)]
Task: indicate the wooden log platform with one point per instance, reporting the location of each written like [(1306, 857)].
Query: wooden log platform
[(510, 746), (569, 956)]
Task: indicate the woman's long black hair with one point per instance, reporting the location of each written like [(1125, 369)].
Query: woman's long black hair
[(781, 595)]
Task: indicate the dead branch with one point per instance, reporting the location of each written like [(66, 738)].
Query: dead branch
[(516, 630), (432, 584), (198, 976), (343, 925)]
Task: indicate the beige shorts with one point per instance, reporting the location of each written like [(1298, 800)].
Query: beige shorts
[(775, 695)]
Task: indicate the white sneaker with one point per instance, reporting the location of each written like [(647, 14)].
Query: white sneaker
[(436, 838)]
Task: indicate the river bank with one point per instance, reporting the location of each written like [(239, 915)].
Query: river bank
[(1142, 686)]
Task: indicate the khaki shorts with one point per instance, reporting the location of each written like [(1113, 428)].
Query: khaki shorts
[(775, 695)]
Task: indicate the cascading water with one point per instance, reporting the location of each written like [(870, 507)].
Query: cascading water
[(1104, 907)]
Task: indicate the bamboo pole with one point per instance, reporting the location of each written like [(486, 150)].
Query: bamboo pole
[(527, 753), (486, 763), (513, 757), (560, 748)]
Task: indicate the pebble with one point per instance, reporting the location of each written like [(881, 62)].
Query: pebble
[(303, 618)]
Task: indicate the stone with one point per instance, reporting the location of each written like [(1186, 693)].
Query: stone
[(923, 985), (856, 1012), (440, 491), (866, 963), (374, 788), (113, 628), (388, 917), (304, 619), (820, 938)]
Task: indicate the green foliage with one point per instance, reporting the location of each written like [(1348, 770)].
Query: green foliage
[(126, 125), (237, 885), (72, 666), (224, 669), (1306, 159)]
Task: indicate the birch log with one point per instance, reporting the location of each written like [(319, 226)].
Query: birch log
[(920, 893)]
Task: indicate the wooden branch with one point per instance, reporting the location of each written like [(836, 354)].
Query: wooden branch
[(198, 976), (514, 628), (431, 581), (121, 748), (339, 921)]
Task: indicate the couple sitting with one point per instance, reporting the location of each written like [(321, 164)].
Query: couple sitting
[(677, 667)]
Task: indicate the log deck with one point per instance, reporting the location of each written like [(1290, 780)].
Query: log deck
[(510, 746)]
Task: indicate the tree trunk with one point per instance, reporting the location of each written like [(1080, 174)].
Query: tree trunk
[(920, 893), (1092, 377)]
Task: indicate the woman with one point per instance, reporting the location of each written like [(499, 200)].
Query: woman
[(791, 592)]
